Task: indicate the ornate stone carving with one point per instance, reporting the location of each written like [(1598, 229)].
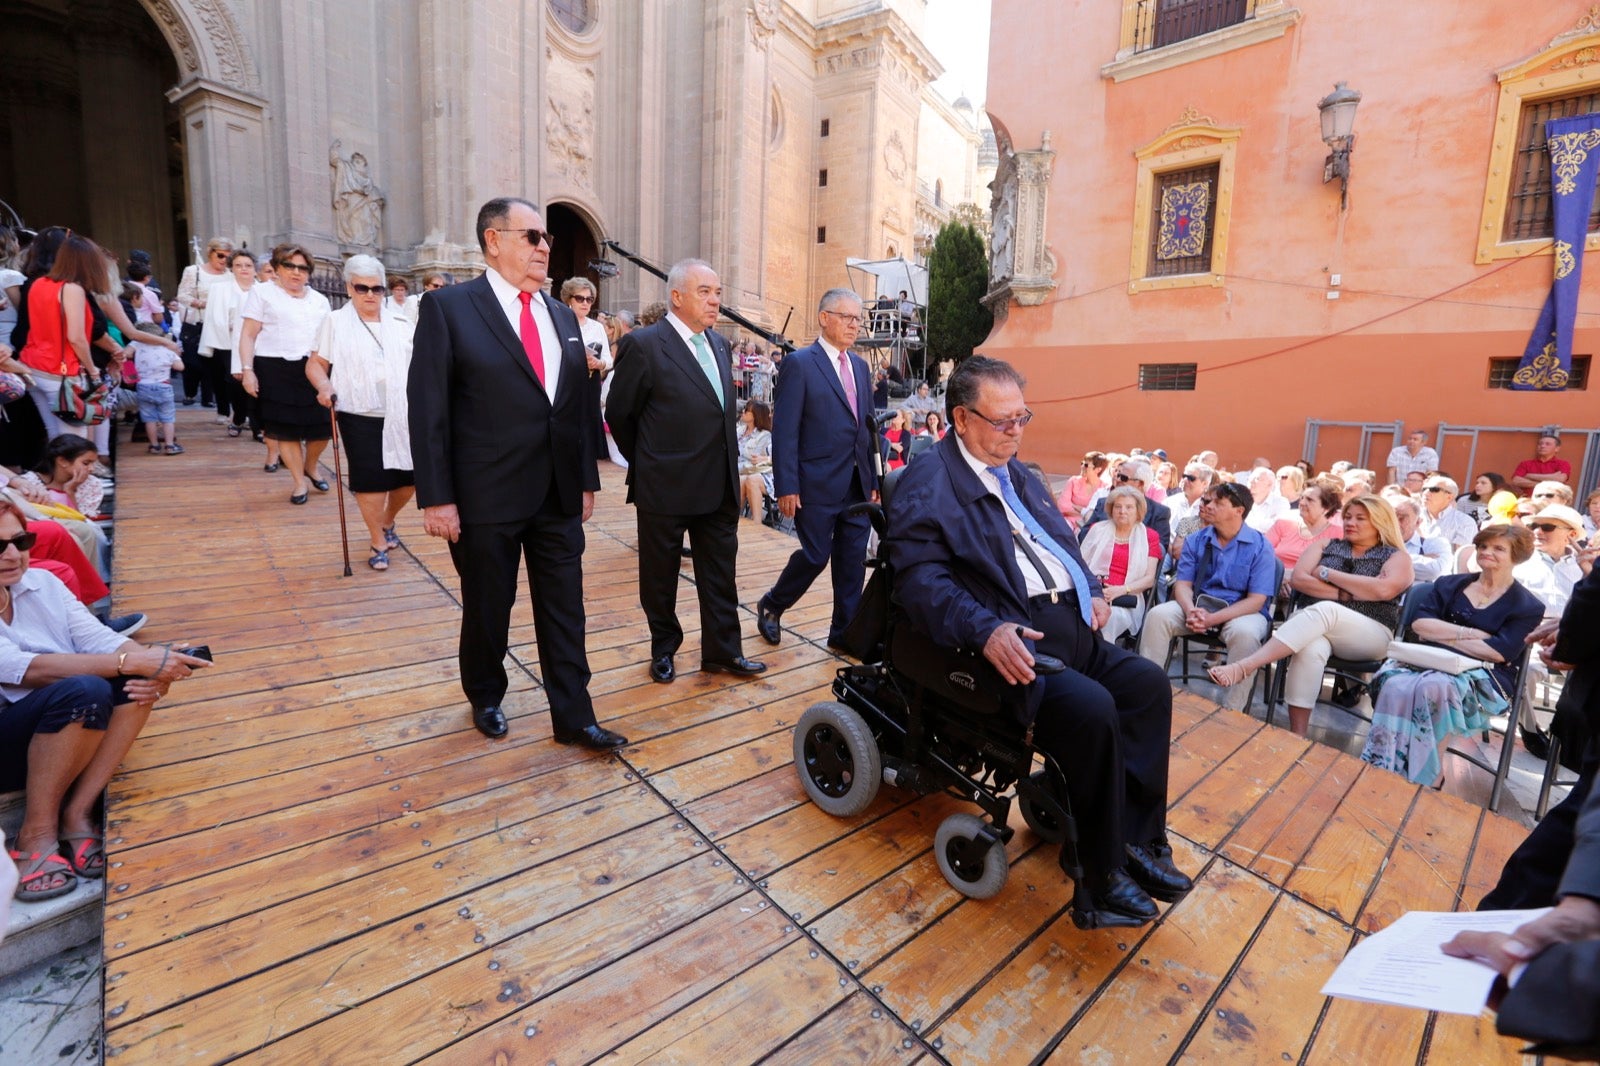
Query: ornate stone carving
[(1190, 117), (1581, 58), (1022, 266), (357, 200), (894, 157), (1587, 24), (227, 52), (763, 18), (569, 124)]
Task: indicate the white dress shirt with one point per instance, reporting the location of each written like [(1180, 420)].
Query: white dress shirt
[(510, 299), (1030, 573), (688, 336), (47, 620), (833, 361)]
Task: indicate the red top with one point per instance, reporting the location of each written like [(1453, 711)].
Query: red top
[(1119, 558), (1537, 467), (47, 349)]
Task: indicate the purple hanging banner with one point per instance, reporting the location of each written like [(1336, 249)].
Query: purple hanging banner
[(1574, 147)]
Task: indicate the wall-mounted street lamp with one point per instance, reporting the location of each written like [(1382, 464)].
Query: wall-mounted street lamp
[(1338, 111)]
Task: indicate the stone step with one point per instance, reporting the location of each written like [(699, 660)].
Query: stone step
[(39, 931)]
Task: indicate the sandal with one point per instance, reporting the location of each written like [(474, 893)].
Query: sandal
[(379, 559), (155, 449), (174, 449), (36, 868), (234, 431), (82, 850), (391, 539)]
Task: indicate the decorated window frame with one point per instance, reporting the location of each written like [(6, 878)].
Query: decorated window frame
[(1569, 65), (1192, 142)]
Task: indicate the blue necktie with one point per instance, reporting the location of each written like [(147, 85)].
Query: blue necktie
[(702, 352), (1080, 580)]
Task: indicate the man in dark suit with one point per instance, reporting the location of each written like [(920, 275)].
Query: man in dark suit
[(504, 446), (983, 561), (672, 412), (822, 462), (1158, 516)]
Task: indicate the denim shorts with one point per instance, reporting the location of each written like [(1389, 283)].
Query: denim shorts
[(155, 402)]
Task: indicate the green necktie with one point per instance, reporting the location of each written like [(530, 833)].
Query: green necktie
[(702, 352)]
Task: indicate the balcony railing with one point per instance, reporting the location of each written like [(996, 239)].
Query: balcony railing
[(1163, 22)]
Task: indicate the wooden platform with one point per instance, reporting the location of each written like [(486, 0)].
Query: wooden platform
[(315, 859)]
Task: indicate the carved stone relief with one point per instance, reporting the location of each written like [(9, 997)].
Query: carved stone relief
[(763, 18), (569, 124), (224, 44), (894, 157), (1021, 264), (357, 200)]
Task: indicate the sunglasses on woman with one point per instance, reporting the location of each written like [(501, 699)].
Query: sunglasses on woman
[(366, 290), (22, 542)]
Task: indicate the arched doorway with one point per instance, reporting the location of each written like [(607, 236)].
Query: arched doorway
[(575, 243), (89, 139)]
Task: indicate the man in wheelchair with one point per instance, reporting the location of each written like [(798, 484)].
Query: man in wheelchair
[(983, 561)]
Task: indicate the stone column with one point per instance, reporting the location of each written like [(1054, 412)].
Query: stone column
[(1033, 267), (225, 164)]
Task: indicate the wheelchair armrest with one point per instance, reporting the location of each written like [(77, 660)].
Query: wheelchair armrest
[(1047, 664), (874, 513)]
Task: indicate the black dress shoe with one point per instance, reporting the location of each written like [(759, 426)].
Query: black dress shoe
[(1537, 743), (1120, 895), (737, 665), (1150, 865), (661, 669), (767, 622), (491, 721), (319, 485), (593, 736), (299, 498)]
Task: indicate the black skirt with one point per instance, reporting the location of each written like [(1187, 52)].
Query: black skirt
[(362, 436), (289, 407)]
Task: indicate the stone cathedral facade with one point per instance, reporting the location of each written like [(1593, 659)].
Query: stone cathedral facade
[(770, 137)]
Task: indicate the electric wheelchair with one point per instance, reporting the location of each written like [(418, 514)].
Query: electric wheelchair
[(928, 719)]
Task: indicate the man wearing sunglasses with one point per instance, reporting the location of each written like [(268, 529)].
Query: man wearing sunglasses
[(984, 562), (503, 440), (1442, 518)]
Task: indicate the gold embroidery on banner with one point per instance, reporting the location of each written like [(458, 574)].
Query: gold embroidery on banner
[(1544, 372), (1566, 262), (1567, 153)]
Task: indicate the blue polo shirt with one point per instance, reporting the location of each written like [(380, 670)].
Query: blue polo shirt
[(1230, 572)]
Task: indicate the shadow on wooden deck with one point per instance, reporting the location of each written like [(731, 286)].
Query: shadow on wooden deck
[(314, 858)]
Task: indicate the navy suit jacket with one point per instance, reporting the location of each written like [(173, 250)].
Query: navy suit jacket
[(817, 444), (682, 455), (955, 563), (484, 436)]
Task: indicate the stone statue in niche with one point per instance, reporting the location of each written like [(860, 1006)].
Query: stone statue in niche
[(1003, 214), (357, 200)]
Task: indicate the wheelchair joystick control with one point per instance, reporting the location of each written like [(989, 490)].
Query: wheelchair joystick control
[(1047, 664)]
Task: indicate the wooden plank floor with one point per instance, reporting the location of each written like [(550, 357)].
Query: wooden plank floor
[(315, 859)]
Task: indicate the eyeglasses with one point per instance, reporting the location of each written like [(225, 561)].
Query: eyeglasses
[(1123, 479), (303, 268), (1004, 425), (534, 236), (849, 320), (220, 255), (366, 290), (432, 285), (1439, 488), (581, 299), (1545, 527), (22, 542), (1191, 477)]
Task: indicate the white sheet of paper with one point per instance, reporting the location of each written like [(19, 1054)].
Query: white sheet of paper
[(1402, 964)]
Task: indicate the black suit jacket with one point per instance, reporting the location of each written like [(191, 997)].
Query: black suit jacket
[(484, 436), (663, 413)]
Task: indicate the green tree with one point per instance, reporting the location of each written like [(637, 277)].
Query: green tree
[(958, 278)]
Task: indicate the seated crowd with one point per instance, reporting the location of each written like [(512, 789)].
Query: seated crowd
[(1275, 564), (75, 689)]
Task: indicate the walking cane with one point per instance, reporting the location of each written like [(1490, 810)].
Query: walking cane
[(338, 484)]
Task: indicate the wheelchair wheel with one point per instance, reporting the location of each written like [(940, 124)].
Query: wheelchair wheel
[(1038, 818), (973, 868), (837, 757)]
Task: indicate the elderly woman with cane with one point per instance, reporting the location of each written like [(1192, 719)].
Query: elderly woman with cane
[(367, 349)]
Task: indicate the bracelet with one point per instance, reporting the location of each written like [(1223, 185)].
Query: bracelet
[(122, 663)]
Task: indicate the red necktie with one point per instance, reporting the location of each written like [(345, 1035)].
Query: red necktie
[(530, 337), (848, 376)]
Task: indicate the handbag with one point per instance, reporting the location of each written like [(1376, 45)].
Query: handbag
[(12, 388), (1429, 657), (79, 400)]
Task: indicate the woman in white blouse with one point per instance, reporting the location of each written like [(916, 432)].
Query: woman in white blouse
[(194, 291), (218, 329), (367, 347), (280, 330)]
